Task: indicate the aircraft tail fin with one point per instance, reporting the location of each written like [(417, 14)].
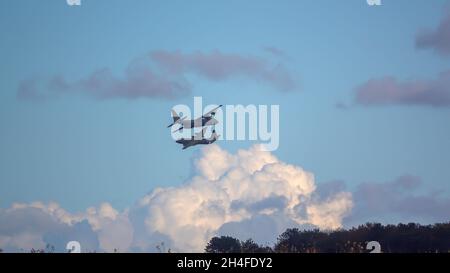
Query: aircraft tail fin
[(214, 136), (176, 118)]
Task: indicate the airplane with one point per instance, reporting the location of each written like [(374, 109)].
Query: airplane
[(205, 120), (198, 139)]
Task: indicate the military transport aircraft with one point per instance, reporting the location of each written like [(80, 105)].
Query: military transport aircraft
[(205, 120), (199, 138)]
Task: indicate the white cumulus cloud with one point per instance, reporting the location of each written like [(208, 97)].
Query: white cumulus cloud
[(237, 188), (249, 192)]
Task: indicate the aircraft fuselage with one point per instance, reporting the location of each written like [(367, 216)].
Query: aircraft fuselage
[(192, 142), (200, 122)]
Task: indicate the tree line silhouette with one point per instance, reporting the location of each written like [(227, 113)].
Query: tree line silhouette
[(401, 238)]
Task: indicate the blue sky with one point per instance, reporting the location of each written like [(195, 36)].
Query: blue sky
[(80, 151)]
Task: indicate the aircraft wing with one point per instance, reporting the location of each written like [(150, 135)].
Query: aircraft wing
[(212, 112)]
